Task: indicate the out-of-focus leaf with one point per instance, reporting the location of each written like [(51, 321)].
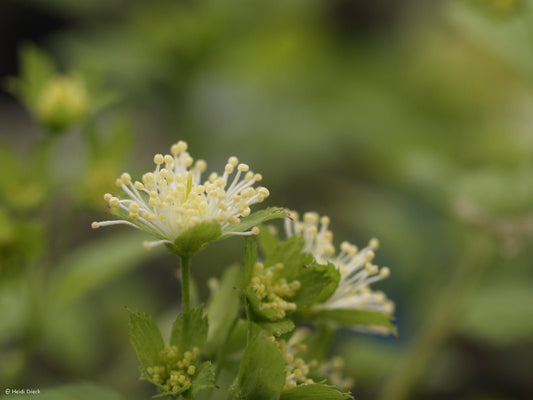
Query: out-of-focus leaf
[(353, 318), (250, 259), (97, 264), (189, 330), (268, 241), (222, 310)]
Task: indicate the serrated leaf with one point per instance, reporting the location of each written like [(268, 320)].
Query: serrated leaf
[(78, 391), (262, 370), (278, 328), (203, 379), (195, 239), (189, 330), (290, 254), (318, 282), (146, 338), (255, 219), (317, 391), (353, 318), (223, 309)]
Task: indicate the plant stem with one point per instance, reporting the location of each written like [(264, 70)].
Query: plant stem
[(185, 283)]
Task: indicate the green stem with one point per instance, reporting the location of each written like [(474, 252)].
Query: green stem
[(185, 283)]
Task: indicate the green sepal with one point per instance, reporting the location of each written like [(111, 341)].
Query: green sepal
[(222, 310), (189, 330), (146, 338), (316, 391), (195, 239), (262, 370), (255, 219), (352, 318)]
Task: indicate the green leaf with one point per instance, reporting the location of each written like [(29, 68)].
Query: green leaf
[(195, 239), (318, 343), (290, 254), (255, 219), (250, 259), (203, 379), (78, 391), (96, 264), (223, 309), (353, 318), (189, 330), (267, 241), (278, 328), (318, 282), (317, 391), (262, 370), (146, 339)]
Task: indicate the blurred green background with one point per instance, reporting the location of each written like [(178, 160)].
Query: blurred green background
[(410, 121)]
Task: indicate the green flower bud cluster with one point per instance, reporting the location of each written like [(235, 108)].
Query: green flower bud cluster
[(273, 291), (175, 372), (296, 369)]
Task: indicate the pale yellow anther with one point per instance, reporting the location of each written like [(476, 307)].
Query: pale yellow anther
[(95, 225), (107, 197), (243, 167), (191, 370), (384, 272), (311, 217), (200, 165), (134, 207), (371, 269), (255, 230), (138, 185), (228, 168), (263, 191), (249, 176), (114, 202), (373, 243), (324, 221), (369, 256), (258, 177), (169, 160), (118, 182), (159, 159), (233, 161), (126, 178)]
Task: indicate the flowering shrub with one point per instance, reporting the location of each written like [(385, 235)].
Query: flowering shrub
[(255, 312)]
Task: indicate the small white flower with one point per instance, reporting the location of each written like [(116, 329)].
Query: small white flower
[(355, 267), (171, 199)]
